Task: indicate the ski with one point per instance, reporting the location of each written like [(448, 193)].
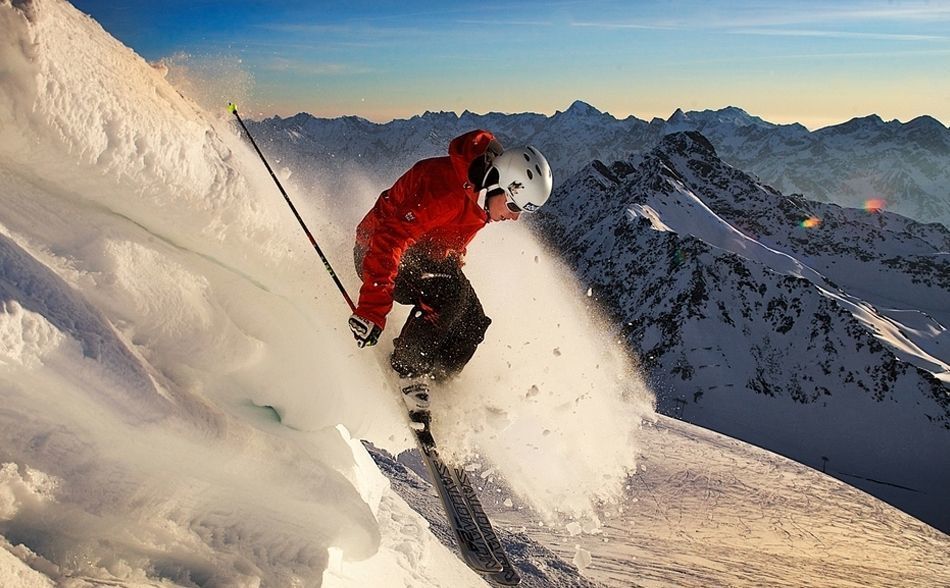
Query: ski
[(507, 576), (475, 550)]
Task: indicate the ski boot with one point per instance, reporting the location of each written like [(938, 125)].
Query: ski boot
[(415, 393)]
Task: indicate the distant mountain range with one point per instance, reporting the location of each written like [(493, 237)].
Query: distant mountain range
[(903, 166), (820, 341)]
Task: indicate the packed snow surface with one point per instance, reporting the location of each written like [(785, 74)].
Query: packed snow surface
[(706, 510), (180, 398)]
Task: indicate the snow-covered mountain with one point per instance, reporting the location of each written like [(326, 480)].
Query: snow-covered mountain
[(904, 167), (812, 330)]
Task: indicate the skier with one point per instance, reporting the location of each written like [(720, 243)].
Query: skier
[(410, 248)]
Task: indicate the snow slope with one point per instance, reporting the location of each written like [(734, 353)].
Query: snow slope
[(707, 510), (180, 399)]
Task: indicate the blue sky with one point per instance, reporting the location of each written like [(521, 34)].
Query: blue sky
[(813, 62)]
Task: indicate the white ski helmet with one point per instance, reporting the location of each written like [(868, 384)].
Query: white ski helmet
[(525, 176)]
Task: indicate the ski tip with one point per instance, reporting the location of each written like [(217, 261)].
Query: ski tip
[(507, 577), (482, 566), (232, 107)]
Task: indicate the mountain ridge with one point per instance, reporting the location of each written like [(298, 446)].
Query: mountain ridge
[(763, 337), (904, 167)]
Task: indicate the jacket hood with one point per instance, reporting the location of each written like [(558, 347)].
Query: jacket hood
[(465, 148)]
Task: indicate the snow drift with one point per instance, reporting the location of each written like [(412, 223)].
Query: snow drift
[(179, 396)]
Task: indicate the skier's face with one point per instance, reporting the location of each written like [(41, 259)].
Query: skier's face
[(498, 209)]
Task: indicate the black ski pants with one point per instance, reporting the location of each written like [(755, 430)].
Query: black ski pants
[(447, 322)]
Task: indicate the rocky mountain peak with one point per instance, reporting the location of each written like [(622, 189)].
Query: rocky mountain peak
[(581, 108), (733, 115), (869, 122), (687, 144), (678, 116), (734, 111), (299, 119), (926, 123)]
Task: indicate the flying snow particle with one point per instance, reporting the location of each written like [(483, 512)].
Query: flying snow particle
[(582, 557)]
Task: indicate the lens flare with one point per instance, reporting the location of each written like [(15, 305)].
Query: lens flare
[(811, 222), (874, 204)]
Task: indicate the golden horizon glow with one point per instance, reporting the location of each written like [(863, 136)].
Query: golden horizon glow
[(811, 62)]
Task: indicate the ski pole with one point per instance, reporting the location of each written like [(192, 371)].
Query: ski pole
[(326, 263)]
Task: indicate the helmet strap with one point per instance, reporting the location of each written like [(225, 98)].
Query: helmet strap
[(489, 177), (488, 192), (483, 196)]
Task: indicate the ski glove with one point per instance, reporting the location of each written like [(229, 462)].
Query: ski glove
[(365, 331)]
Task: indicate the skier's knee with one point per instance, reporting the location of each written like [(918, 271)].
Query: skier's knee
[(409, 364)]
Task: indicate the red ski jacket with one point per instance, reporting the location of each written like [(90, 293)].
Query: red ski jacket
[(432, 208)]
